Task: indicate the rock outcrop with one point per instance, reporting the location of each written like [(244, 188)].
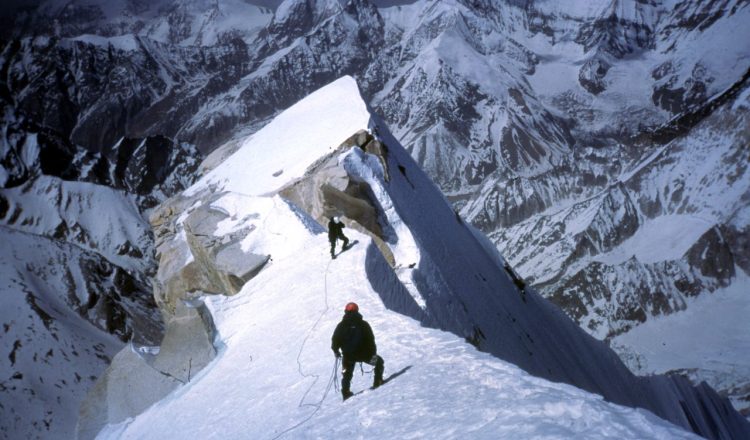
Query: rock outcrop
[(201, 263), (327, 190)]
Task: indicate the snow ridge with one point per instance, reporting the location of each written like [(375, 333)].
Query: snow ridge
[(264, 381)]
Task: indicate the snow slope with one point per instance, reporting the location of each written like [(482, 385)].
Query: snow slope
[(49, 206), (272, 378), (54, 354), (283, 150), (661, 239), (711, 337), (272, 337), (73, 288)]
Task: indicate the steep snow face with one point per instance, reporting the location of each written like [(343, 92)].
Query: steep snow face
[(275, 378), (107, 270), (272, 337), (55, 330), (70, 211), (73, 268)]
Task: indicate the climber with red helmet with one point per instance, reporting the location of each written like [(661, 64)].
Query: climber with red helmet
[(354, 338)]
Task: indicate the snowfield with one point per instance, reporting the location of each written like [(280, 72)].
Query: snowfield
[(711, 339), (661, 239)]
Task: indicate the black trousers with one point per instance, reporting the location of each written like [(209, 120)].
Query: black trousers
[(333, 242), (348, 371)]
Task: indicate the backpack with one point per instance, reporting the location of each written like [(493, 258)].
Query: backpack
[(352, 339)]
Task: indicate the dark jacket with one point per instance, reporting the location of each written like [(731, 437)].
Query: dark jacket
[(366, 349), (335, 230)]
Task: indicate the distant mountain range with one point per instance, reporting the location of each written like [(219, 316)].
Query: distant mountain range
[(602, 147)]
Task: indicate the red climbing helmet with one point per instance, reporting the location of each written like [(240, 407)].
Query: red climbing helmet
[(351, 307)]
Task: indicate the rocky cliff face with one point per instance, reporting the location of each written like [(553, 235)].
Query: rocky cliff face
[(78, 259), (653, 239)]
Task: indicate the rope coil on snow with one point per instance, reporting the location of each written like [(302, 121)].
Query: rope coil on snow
[(334, 372)]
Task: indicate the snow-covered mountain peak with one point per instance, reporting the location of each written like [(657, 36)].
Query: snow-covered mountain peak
[(250, 297), (315, 10), (283, 149), (179, 22), (319, 25), (583, 9), (207, 22)]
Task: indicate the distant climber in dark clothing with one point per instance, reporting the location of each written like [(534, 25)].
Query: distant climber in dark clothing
[(353, 336), (336, 232)]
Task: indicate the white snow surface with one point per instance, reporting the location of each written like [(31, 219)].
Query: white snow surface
[(711, 337), (663, 238), (229, 15), (273, 377), (54, 355), (675, 341), (121, 42), (367, 168), (282, 150), (49, 203), (580, 8)]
